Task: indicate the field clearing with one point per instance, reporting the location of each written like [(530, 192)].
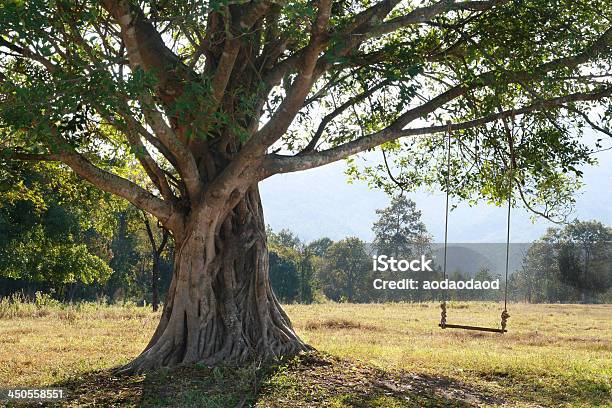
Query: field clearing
[(372, 355), (552, 353)]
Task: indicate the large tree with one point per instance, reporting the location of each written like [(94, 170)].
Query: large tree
[(211, 97)]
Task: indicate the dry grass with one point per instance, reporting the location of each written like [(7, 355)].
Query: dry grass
[(335, 324), (554, 355), (44, 344)]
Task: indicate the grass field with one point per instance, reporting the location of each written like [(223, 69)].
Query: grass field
[(388, 355)]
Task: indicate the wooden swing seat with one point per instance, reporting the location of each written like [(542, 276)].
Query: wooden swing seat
[(477, 328)]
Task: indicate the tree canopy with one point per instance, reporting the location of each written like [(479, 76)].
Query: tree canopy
[(203, 93)]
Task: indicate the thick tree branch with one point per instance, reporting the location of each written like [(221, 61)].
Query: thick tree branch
[(146, 49), (133, 132), (118, 185), (232, 46), (376, 12), (102, 179), (426, 14), (185, 161), (274, 73), (284, 164)]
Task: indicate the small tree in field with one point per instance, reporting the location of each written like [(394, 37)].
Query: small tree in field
[(293, 267), (537, 280), (399, 231), (567, 264), (212, 97)]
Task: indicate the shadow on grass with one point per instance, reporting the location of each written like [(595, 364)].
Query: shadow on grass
[(326, 381), (195, 386), (315, 380), (554, 391)]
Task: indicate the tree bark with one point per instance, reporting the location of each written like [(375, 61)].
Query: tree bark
[(220, 306)]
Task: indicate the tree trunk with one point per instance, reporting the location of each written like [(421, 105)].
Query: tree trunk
[(220, 307)]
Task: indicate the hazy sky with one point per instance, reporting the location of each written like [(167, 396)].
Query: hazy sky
[(320, 202)]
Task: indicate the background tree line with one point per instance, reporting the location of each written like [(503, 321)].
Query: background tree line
[(569, 264), (61, 236)]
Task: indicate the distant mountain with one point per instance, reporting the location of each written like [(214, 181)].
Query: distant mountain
[(469, 258), (320, 202)]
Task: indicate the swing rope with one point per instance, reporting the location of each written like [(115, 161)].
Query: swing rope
[(448, 149), (504, 314)]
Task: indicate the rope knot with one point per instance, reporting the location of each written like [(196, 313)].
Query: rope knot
[(504, 319), (443, 315)]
